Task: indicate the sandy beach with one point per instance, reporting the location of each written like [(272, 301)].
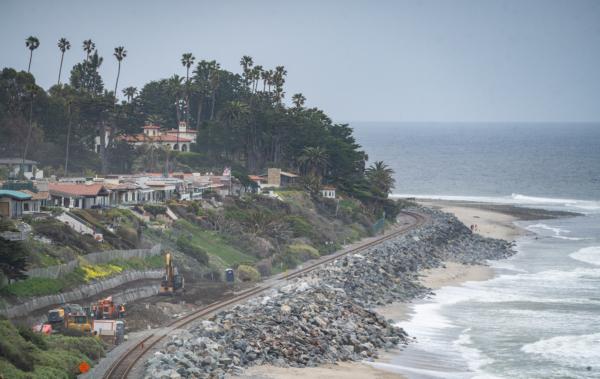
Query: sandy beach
[(495, 223)]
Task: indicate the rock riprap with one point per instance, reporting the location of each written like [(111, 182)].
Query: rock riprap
[(325, 316)]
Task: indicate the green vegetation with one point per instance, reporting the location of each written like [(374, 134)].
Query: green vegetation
[(304, 252), (13, 259), (26, 355), (33, 287), (185, 245), (241, 119), (247, 273), (212, 243)]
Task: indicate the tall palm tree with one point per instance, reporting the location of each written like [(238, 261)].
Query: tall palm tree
[(187, 60), (279, 81), (32, 43), (256, 74), (298, 100), (314, 160), (214, 86), (246, 62), (88, 47), (63, 45), (381, 178), (120, 53), (265, 75), (68, 137), (130, 93)]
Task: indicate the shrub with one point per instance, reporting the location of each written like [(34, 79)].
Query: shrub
[(92, 272), (14, 349), (300, 227), (32, 337), (264, 267), (89, 346), (7, 225), (247, 273), (155, 210), (304, 252), (129, 234)]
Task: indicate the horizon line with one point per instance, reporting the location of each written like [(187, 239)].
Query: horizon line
[(475, 122)]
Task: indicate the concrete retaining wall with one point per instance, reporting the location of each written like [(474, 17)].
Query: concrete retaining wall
[(57, 271), (83, 292)]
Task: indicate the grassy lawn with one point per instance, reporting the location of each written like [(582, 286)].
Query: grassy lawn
[(214, 244)]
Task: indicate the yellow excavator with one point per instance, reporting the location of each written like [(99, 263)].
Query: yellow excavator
[(172, 282)]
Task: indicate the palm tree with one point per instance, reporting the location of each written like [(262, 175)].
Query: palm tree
[(88, 47), (130, 93), (235, 111), (63, 45), (381, 178), (119, 53), (265, 75), (174, 83), (314, 160), (279, 81), (298, 100), (214, 86), (256, 74), (154, 119), (246, 62), (187, 60), (32, 43)]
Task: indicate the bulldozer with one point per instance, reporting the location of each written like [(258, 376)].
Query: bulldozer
[(79, 321), (57, 317), (172, 282)]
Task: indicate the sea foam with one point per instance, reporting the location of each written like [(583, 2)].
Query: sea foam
[(588, 255), (572, 350), (583, 206)]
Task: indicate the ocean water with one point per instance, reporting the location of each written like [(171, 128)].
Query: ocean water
[(539, 317)]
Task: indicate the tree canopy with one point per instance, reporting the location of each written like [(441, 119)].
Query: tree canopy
[(241, 120)]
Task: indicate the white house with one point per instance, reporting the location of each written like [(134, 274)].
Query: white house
[(328, 192), (14, 165), (85, 196), (174, 139)]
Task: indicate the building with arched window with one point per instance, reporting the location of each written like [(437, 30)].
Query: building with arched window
[(173, 139)]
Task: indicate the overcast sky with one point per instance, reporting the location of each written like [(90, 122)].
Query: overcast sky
[(462, 60)]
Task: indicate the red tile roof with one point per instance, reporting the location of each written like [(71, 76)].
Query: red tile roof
[(151, 127), (71, 189), (42, 195)]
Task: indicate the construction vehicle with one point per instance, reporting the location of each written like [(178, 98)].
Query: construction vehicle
[(106, 309), (172, 282), (78, 321), (57, 316)]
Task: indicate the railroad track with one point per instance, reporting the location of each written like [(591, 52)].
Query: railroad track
[(121, 368)]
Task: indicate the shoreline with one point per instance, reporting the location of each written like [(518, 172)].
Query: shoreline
[(494, 223)]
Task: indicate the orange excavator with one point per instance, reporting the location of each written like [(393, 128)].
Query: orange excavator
[(172, 282)]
